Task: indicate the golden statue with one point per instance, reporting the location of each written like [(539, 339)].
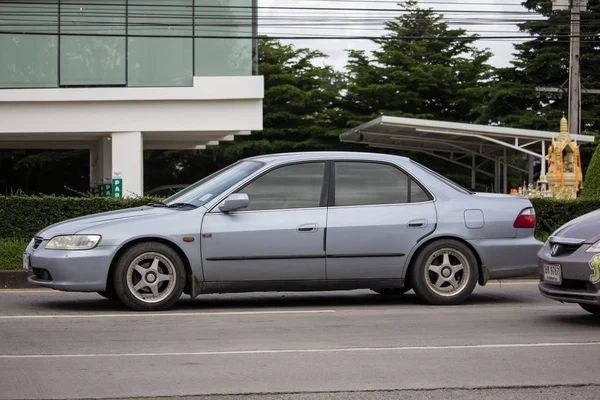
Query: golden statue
[(564, 176)]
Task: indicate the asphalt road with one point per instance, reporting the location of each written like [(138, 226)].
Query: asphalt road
[(505, 342)]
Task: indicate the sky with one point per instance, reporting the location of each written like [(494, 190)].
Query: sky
[(353, 23)]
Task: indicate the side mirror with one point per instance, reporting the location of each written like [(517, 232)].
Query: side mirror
[(234, 202)]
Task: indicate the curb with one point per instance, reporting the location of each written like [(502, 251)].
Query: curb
[(15, 280)]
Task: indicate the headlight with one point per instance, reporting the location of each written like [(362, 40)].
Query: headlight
[(595, 248), (73, 242)]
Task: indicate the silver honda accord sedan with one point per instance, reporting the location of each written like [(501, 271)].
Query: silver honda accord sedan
[(295, 222)]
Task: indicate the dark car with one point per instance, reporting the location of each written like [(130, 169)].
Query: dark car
[(570, 263)]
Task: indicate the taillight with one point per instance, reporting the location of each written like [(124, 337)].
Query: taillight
[(525, 219)]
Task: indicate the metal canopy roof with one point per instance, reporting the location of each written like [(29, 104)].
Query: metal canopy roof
[(454, 142), (448, 137)]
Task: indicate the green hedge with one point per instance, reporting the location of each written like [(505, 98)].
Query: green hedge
[(23, 216), (551, 214)]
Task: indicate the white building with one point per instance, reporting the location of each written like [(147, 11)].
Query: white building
[(120, 76)]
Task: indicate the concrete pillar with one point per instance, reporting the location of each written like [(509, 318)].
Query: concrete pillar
[(128, 161)]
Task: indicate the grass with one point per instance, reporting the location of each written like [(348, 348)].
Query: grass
[(11, 253)]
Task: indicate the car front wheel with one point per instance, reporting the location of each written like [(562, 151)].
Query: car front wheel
[(149, 277), (591, 308), (445, 272)]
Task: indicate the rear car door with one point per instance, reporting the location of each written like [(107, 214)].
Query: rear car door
[(376, 216)]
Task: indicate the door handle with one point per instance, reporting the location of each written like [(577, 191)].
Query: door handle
[(417, 223), (307, 228)]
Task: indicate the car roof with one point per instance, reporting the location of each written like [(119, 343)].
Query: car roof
[(309, 155)]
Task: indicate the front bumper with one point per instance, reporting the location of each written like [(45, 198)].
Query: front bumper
[(577, 285), (70, 270)]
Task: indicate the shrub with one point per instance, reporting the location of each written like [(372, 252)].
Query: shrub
[(552, 213), (23, 216), (11, 251), (591, 183)]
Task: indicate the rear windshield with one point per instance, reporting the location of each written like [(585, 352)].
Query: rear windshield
[(447, 181)]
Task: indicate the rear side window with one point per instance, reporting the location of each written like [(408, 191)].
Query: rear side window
[(367, 183)]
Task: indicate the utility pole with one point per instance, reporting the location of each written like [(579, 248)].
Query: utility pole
[(574, 70), (576, 6)]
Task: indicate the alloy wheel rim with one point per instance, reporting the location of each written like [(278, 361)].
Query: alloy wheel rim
[(447, 272), (151, 277)]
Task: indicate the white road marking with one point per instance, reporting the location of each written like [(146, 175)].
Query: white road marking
[(166, 314), (296, 351)]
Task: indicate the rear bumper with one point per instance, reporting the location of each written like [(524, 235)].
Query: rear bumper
[(508, 258)]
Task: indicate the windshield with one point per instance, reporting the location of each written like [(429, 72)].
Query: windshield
[(444, 179), (213, 185)]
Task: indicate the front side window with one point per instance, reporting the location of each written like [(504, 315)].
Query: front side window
[(292, 186), (365, 183)]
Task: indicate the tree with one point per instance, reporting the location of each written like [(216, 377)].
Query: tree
[(513, 100), (591, 183), (299, 114), (423, 69)]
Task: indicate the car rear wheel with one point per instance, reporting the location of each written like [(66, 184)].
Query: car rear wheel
[(149, 277), (445, 272), (591, 308)]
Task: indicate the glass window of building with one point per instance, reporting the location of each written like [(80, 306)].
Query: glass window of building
[(160, 48), (223, 45), (87, 58), (29, 44)]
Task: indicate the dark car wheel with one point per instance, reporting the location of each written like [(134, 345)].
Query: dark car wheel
[(149, 277), (445, 272), (591, 308), (393, 291)]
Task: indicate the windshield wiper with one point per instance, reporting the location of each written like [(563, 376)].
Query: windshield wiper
[(157, 204), (178, 205)]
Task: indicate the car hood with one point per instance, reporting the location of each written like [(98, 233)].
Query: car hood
[(72, 226), (586, 227)]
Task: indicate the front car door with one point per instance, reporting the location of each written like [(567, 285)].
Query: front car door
[(377, 216), (278, 237)]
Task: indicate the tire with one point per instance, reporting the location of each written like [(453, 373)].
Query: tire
[(591, 308), (149, 276), (392, 291), (445, 272)]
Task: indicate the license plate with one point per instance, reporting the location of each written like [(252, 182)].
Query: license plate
[(25, 261), (553, 274)]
